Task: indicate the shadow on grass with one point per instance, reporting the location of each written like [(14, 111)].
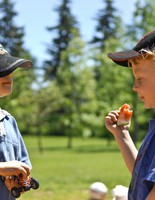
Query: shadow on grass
[(95, 149), (78, 149), (55, 148), (81, 149)]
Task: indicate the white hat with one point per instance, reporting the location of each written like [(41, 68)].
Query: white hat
[(120, 192), (98, 187), (97, 190)]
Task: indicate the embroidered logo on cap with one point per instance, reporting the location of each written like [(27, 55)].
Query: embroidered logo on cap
[(2, 50)]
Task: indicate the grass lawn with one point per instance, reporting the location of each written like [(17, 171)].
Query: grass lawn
[(65, 174)]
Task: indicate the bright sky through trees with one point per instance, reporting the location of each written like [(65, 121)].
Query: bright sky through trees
[(36, 15)]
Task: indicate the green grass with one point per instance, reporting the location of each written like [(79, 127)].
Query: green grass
[(67, 173)]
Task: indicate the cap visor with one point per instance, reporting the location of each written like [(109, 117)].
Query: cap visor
[(122, 57), (16, 62)]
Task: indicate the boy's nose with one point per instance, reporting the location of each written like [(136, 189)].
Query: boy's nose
[(135, 87)]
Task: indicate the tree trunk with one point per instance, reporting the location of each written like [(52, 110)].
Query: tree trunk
[(40, 144), (70, 137)]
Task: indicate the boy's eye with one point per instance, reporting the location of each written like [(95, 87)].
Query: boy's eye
[(139, 80)]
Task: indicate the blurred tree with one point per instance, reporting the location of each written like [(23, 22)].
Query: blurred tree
[(108, 28), (78, 87), (70, 98), (108, 77), (66, 29), (113, 86), (12, 38), (108, 24), (143, 19)]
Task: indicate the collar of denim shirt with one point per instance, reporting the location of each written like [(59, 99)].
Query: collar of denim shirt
[(3, 114)]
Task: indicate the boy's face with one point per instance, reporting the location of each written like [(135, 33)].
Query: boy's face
[(6, 85), (144, 73)]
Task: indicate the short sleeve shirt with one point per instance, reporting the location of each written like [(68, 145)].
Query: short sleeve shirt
[(143, 177), (12, 147)]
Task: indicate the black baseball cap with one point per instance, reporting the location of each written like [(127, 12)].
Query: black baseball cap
[(9, 63), (146, 42)]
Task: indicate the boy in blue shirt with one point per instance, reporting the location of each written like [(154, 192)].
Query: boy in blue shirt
[(14, 159), (141, 164)]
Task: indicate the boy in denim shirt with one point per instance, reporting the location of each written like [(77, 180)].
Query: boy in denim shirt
[(14, 159)]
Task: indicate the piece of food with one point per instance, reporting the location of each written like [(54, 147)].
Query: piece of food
[(125, 115)]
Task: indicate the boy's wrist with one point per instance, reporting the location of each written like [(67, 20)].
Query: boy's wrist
[(121, 133)]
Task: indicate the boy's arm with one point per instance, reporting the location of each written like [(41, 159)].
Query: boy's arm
[(151, 195), (122, 138), (127, 148), (22, 153)]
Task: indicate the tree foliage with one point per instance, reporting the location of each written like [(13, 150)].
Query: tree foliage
[(11, 36), (108, 24), (66, 29), (143, 19), (75, 104)]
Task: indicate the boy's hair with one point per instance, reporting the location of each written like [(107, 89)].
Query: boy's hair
[(145, 54)]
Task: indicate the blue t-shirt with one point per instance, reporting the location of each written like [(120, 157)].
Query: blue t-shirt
[(143, 177), (12, 147)]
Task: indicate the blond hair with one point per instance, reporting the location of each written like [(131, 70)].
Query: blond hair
[(146, 54)]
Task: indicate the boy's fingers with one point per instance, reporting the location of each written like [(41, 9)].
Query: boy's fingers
[(25, 171), (27, 168), (108, 119), (113, 117), (24, 165), (115, 112)]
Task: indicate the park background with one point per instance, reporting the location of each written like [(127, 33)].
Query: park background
[(61, 103)]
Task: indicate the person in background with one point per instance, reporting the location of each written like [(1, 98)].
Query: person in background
[(14, 159), (98, 191), (120, 192)]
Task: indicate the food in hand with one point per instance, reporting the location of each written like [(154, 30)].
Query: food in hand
[(125, 115)]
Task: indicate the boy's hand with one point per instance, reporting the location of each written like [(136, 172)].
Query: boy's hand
[(111, 123), (14, 168)]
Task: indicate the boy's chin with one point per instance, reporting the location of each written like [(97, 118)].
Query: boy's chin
[(149, 106)]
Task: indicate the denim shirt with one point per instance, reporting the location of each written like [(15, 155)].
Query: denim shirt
[(143, 177), (12, 147)]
